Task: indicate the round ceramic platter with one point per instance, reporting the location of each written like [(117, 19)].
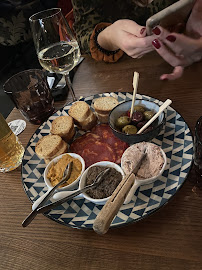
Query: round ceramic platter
[(176, 141)]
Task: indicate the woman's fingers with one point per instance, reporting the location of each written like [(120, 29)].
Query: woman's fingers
[(134, 46), (178, 43), (167, 54), (132, 27), (176, 74)]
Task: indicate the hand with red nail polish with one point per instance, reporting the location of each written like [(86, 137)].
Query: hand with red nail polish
[(171, 38), (156, 31), (156, 43), (179, 50), (128, 36)]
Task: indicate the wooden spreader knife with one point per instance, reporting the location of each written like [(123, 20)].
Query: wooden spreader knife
[(112, 206)]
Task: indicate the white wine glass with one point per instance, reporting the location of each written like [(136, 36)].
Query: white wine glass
[(56, 45)]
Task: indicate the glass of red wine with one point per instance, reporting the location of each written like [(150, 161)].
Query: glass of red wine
[(30, 92), (56, 46)]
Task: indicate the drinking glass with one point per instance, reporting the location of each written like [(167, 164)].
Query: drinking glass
[(11, 150), (56, 46), (30, 92)]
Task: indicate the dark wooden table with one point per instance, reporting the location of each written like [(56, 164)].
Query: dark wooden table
[(169, 239)]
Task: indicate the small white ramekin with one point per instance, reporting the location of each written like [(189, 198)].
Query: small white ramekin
[(70, 186)]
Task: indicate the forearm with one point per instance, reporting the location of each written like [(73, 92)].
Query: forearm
[(105, 41)]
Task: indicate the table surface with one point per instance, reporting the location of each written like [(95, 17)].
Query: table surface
[(171, 238)]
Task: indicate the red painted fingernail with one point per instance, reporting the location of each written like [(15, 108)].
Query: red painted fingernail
[(171, 38), (142, 30), (156, 31), (156, 43)]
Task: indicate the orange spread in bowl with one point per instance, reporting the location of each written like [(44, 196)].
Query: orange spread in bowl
[(57, 169)]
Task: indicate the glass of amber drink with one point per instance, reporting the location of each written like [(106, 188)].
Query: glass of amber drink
[(11, 150)]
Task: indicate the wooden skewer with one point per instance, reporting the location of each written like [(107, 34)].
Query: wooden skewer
[(135, 85), (161, 109)]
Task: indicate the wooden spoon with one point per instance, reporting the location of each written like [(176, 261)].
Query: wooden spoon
[(135, 85)]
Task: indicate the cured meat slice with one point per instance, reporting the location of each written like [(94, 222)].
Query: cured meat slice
[(102, 130), (99, 145), (98, 151), (107, 136), (79, 143)]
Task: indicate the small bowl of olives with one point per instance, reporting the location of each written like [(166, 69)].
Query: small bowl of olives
[(125, 128)]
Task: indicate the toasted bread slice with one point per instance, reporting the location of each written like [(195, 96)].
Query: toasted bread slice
[(64, 127), (69, 136), (104, 105), (48, 146), (103, 118), (62, 150), (90, 122), (79, 111)]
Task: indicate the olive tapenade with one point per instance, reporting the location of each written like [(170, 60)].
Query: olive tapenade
[(107, 186)]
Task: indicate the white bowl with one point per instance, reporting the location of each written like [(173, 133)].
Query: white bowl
[(139, 182), (82, 182), (70, 186)]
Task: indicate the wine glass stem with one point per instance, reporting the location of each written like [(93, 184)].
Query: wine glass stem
[(69, 84)]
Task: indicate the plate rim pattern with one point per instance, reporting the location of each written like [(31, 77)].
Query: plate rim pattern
[(89, 99)]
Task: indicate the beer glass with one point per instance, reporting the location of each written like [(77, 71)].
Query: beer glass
[(55, 44), (11, 150)]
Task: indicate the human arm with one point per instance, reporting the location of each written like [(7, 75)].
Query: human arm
[(128, 36), (123, 33)]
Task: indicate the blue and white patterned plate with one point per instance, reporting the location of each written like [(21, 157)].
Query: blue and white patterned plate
[(175, 139)]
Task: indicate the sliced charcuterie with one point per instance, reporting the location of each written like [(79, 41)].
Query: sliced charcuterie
[(107, 135), (98, 145), (80, 143), (98, 151)]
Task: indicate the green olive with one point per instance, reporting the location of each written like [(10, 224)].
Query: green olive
[(129, 129), (122, 121), (148, 115), (139, 108)]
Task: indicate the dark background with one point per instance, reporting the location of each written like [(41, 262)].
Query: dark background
[(21, 56)]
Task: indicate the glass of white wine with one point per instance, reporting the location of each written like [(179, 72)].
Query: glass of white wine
[(56, 46)]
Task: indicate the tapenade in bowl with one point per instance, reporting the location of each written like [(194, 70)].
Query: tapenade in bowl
[(101, 193)]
